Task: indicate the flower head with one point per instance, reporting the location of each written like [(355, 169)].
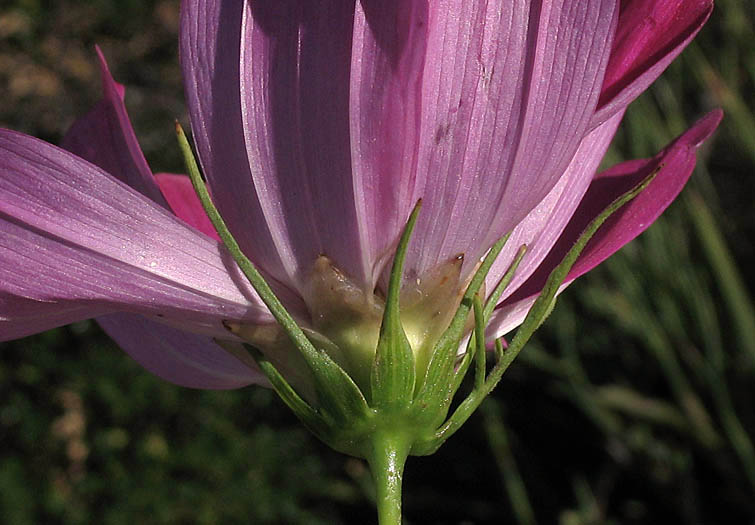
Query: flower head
[(318, 126)]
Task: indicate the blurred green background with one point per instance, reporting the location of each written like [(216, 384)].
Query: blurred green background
[(633, 405)]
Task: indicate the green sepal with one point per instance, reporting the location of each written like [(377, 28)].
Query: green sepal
[(463, 366), (340, 400), (436, 392), (479, 342), (540, 310), (306, 414), (347, 437), (393, 374), (499, 350), (495, 296)]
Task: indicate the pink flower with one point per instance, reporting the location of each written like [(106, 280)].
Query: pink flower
[(318, 126)]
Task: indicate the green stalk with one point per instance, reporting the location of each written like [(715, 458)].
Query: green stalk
[(387, 459)]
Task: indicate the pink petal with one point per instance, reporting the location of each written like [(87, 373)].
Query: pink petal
[(210, 42), (542, 227), (71, 234), (105, 137), (526, 85), (677, 162), (176, 356), (388, 57), (183, 200), (21, 316), (651, 34), (508, 91), (295, 72), (508, 316)]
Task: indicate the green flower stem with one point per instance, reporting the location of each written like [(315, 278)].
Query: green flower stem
[(386, 460)]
